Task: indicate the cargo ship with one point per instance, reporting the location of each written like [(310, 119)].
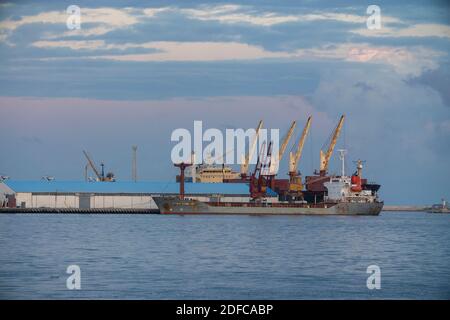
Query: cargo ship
[(312, 190), (190, 206), (345, 196)]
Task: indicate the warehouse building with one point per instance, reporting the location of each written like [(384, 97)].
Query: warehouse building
[(117, 195)]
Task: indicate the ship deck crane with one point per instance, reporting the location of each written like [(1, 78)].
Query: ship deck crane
[(295, 180), (325, 156), (277, 160), (251, 150), (286, 140), (258, 183)]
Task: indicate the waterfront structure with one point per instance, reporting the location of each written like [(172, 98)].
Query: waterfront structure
[(114, 195)]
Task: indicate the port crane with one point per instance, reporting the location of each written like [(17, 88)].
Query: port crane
[(100, 175), (325, 156), (295, 179), (286, 140), (276, 161), (251, 150)]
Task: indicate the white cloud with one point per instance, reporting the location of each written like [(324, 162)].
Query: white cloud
[(343, 17), (235, 14), (404, 60), (105, 20), (153, 12), (106, 16), (171, 50), (74, 45), (418, 30), (243, 14)]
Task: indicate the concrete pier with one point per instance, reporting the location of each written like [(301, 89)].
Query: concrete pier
[(79, 211)]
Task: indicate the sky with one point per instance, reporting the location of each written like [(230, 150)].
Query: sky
[(134, 71)]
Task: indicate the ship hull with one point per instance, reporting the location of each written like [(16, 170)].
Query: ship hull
[(177, 206), (439, 211)]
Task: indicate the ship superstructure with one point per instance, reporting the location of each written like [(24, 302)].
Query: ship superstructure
[(210, 173)]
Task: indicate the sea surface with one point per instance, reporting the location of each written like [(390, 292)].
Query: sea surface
[(225, 257)]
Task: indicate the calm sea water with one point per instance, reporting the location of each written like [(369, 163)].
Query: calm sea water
[(225, 257)]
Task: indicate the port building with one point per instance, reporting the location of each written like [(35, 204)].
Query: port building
[(114, 195)]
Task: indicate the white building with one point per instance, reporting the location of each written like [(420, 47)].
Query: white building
[(118, 195)]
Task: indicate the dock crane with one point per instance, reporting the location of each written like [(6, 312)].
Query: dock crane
[(295, 179), (100, 175), (325, 157), (286, 140), (251, 150), (276, 161)]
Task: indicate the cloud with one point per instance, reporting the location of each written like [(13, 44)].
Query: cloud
[(409, 61), (418, 30), (171, 50), (405, 60), (242, 14), (107, 16), (398, 127), (94, 21), (99, 21), (91, 45), (236, 14), (438, 80)]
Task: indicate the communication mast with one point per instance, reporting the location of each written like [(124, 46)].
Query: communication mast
[(134, 165)]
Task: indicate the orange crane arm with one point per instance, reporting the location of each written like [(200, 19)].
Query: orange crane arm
[(276, 159), (251, 150), (325, 157), (286, 140), (295, 158)]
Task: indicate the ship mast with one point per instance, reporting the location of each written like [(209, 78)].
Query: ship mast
[(182, 167), (342, 153)]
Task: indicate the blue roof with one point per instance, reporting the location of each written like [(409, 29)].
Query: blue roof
[(150, 187)]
